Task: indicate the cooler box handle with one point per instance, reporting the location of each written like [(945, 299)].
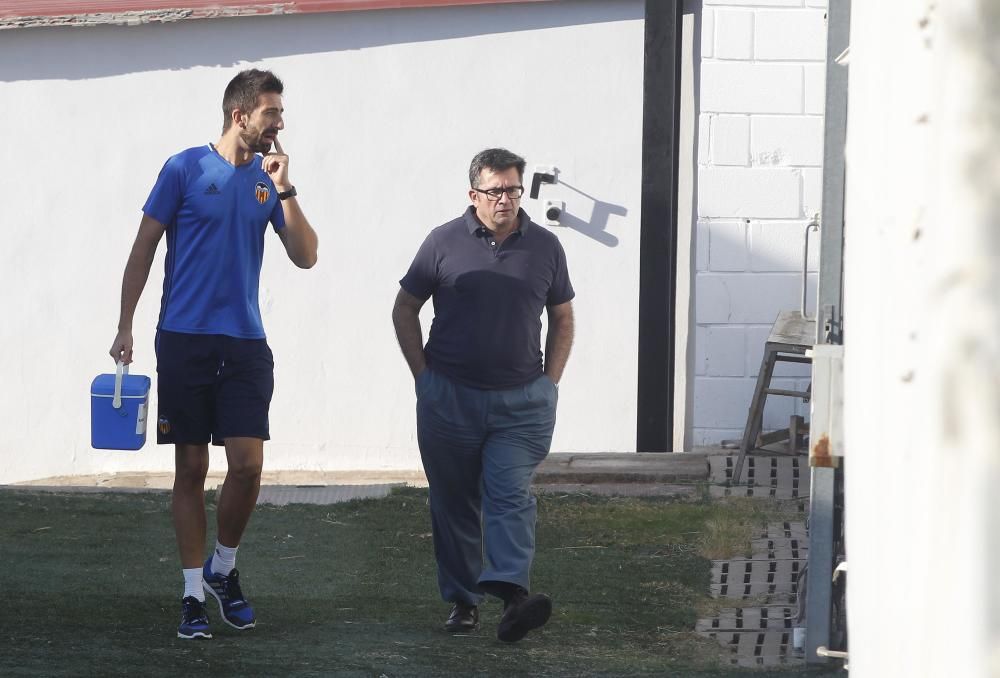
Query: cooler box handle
[(120, 369)]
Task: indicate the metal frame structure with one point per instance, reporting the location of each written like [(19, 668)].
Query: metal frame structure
[(825, 518)]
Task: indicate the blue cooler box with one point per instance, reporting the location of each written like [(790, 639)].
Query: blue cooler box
[(118, 404)]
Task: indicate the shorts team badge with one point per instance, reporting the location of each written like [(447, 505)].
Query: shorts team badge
[(263, 192), (163, 425)]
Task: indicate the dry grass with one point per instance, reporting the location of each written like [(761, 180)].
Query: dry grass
[(736, 522)]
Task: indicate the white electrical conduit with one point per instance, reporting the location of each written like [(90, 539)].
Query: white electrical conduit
[(811, 226)]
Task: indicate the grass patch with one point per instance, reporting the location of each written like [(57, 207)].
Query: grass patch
[(91, 587), (736, 521)]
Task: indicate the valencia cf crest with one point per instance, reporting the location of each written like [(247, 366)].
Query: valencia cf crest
[(263, 192), (163, 425)]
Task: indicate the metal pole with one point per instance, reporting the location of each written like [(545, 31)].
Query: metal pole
[(829, 324), (829, 303), (658, 225)]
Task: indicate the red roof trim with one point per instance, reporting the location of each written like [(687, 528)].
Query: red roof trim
[(20, 14)]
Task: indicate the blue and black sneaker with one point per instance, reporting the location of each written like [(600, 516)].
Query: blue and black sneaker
[(235, 609), (194, 620)]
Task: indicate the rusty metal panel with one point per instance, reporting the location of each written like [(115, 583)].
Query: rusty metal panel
[(826, 435), (29, 13)]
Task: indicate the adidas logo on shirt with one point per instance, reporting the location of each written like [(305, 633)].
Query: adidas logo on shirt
[(212, 190)]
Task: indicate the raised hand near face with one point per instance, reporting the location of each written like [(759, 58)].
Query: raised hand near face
[(276, 166)]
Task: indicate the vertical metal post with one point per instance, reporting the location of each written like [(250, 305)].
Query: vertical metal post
[(658, 225), (830, 289), (819, 588), (829, 324)]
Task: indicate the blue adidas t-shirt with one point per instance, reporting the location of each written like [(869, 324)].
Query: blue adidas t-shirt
[(216, 216)]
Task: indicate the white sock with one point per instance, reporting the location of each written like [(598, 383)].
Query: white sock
[(224, 559), (193, 583)]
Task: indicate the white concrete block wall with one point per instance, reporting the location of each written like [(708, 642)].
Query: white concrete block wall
[(732, 140), (760, 181), (734, 34)]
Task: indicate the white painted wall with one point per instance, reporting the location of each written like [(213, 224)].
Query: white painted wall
[(922, 328), (384, 111), (760, 152)]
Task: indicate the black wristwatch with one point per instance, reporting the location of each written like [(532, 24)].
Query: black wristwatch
[(290, 193)]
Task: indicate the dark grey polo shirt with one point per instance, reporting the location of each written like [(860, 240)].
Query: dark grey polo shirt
[(488, 299)]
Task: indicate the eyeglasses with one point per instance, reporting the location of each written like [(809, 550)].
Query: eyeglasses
[(493, 194)]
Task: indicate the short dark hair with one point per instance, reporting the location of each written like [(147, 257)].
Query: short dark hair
[(496, 159), (243, 91)]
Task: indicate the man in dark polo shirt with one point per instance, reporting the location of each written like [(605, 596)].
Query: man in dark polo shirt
[(486, 395)]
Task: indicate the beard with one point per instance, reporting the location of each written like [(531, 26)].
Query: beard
[(255, 141)]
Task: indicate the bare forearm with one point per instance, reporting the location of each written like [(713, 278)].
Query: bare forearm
[(303, 243), (140, 260), (134, 279), (558, 343), (410, 337)]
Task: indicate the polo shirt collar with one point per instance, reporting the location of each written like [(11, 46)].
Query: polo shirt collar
[(473, 224)]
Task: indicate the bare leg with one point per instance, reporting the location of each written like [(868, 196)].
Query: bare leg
[(239, 492), (188, 502)]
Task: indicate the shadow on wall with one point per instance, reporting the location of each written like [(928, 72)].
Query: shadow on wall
[(596, 227), (115, 50)]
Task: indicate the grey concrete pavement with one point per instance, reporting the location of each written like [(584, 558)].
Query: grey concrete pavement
[(606, 473)]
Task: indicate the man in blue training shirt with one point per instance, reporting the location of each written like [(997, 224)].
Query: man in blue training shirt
[(215, 370)]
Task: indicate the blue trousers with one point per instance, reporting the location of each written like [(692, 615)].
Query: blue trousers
[(479, 450)]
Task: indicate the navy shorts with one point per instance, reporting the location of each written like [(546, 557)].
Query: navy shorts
[(212, 387)]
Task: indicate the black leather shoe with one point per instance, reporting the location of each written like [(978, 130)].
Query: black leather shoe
[(462, 618), (523, 613)]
